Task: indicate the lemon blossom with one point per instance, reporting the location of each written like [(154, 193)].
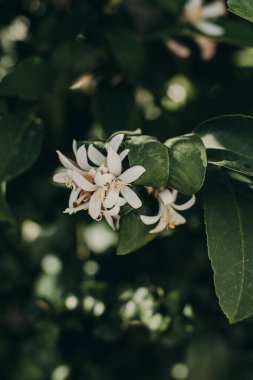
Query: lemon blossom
[(167, 215), (198, 14), (103, 189)]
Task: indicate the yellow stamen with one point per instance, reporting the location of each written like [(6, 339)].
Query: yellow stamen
[(171, 225)]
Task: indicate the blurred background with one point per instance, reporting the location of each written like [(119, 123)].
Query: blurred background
[(70, 308)]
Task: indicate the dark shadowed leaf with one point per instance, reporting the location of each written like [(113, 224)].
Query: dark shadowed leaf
[(114, 107), (20, 144), (229, 140), (130, 55), (187, 163), (31, 79), (229, 223)]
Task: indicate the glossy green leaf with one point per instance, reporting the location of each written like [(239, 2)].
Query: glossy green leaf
[(187, 163), (20, 145), (133, 233), (229, 221), (229, 141), (242, 8), (31, 79), (153, 155)]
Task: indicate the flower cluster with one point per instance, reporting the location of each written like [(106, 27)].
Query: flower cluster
[(101, 189), (167, 216)]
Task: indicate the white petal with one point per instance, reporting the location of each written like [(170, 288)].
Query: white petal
[(60, 177), (174, 194), (81, 158), (159, 228), (74, 146), (95, 156), (131, 197), (209, 28), (116, 141), (95, 204), (166, 197), (121, 201), (114, 162), (73, 196), (83, 183), (150, 219), (132, 174), (74, 210), (109, 220), (101, 179), (185, 205), (177, 218), (67, 163), (112, 196), (124, 153), (116, 221), (193, 5), (215, 9), (113, 211)]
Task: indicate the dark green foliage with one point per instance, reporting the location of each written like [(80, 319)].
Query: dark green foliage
[(74, 304)]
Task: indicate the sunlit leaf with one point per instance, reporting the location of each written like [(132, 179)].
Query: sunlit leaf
[(242, 8)]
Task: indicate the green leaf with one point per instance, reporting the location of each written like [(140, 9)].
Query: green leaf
[(114, 106), (229, 222), (187, 163), (31, 79), (130, 55), (20, 145), (242, 8), (153, 155), (229, 140), (5, 212), (133, 233), (236, 32)]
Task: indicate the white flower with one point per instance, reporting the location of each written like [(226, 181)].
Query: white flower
[(196, 13), (98, 189), (167, 216), (120, 183)]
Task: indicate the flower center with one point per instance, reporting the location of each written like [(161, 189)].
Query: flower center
[(197, 15)]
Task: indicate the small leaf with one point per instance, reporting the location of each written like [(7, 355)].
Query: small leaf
[(31, 79), (153, 155), (187, 163), (242, 8), (20, 144), (133, 233), (229, 221), (229, 140)]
